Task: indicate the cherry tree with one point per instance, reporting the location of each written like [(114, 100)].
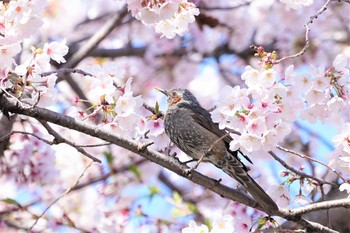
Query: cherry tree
[(82, 141)]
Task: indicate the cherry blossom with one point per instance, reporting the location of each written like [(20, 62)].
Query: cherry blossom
[(264, 115), (280, 194), (31, 160), (223, 224), (167, 17), (8, 52), (194, 228), (295, 5), (56, 50), (242, 224), (259, 99), (20, 20)]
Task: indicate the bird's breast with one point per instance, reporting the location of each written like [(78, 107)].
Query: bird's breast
[(188, 135)]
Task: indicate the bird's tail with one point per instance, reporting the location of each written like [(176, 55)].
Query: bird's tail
[(234, 168)]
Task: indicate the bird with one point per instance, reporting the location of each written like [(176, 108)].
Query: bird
[(190, 127)]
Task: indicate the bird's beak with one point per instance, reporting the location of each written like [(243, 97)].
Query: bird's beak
[(163, 91)]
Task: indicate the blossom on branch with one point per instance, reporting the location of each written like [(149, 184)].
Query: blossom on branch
[(171, 17)]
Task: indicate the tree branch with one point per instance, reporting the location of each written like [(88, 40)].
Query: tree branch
[(324, 205), (307, 32), (59, 139), (300, 173), (311, 159), (90, 45), (312, 226), (168, 162), (96, 39), (12, 105)]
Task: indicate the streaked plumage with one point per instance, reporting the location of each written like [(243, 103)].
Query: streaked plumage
[(190, 127)]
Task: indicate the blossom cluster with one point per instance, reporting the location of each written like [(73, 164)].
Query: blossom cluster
[(342, 148), (171, 17), (28, 82), (29, 160), (327, 98), (262, 112), (19, 20), (115, 106), (111, 97), (327, 93)]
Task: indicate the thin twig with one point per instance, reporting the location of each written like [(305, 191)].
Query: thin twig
[(66, 71), (103, 177), (300, 173), (311, 159), (94, 145), (60, 139), (5, 137), (96, 39), (307, 31), (62, 195)]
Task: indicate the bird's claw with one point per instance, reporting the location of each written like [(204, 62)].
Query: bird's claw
[(188, 172), (188, 161), (177, 159), (218, 181), (143, 146)]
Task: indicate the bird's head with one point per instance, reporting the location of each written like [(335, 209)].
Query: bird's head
[(178, 95)]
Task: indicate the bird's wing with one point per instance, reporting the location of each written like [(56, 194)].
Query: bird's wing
[(203, 118)]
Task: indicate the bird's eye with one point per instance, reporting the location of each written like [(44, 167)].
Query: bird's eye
[(173, 94)]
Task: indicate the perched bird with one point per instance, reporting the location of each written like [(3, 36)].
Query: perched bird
[(190, 127)]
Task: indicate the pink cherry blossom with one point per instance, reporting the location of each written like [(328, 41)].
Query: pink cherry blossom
[(280, 194), (8, 52), (242, 224), (56, 50), (170, 18)]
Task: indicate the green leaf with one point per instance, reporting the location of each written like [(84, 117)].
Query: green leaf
[(176, 213), (261, 223), (177, 197), (134, 169), (192, 207), (11, 201), (109, 157), (156, 108), (208, 223), (153, 191)]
